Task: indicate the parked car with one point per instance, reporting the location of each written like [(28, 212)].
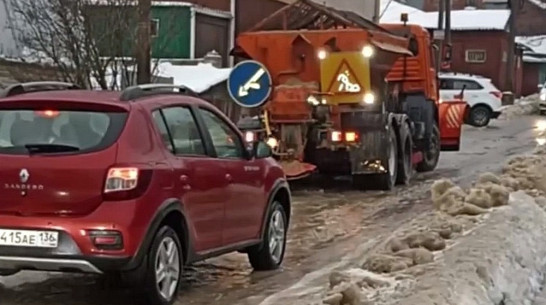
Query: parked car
[(483, 98), (542, 98), (135, 184)]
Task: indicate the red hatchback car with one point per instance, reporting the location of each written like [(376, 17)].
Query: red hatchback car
[(136, 183)]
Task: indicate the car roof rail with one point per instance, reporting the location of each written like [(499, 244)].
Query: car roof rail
[(29, 87), (145, 90)]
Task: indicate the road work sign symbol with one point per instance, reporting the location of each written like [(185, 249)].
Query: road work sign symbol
[(345, 75), (249, 84), (345, 80)]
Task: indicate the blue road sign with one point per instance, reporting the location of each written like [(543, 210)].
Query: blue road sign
[(249, 84)]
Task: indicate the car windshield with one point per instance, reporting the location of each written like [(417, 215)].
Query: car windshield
[(56, 131)]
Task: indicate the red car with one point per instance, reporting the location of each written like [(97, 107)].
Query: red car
[(137, 183)]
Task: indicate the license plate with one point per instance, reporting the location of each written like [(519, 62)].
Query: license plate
[(32, 239)]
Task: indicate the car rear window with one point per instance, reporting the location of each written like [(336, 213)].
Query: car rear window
[(58, 131)]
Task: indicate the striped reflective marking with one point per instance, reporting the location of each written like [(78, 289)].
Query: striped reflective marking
[(453, 116)]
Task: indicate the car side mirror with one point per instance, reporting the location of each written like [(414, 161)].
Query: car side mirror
[(261, 150)]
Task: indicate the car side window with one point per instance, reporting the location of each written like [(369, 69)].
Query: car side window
[(163, 130), (470, 85), (446, 84), (225, 140), (184, 131)]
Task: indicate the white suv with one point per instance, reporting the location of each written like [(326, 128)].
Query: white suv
[(484, 99)]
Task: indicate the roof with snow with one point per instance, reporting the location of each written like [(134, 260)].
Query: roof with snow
[(199, 78), (461, 20), (534, 48)]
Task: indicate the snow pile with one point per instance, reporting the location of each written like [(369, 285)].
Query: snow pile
[(482, 245), (525, 106)]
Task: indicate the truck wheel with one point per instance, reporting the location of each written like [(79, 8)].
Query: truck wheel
[(479, 116), (384, 181), (405, 167), (432, 154)]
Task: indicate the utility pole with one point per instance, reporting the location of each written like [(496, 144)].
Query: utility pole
[(143, 46), (510, 58), (376, 11), (439, 43)]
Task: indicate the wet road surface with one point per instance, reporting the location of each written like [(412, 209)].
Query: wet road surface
[(330, 224)]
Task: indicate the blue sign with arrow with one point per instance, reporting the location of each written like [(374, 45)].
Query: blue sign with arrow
[(249, 84)]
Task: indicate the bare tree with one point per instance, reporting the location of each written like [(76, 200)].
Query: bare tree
[(85, 39)]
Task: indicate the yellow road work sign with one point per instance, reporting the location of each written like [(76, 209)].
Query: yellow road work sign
[(345, 76)]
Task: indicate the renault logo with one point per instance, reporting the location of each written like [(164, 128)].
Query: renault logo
[(24, 175)]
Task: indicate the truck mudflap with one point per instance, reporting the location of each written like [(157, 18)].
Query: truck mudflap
[(451, 116), (295, 169)]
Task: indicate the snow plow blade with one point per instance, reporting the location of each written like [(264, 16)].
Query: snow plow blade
[(295, 170), (451, 122)]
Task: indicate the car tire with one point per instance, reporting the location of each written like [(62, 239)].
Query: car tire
[(431, 156), (405, 150), (479, 116), (8, 272), (165, 254), (268, 256)]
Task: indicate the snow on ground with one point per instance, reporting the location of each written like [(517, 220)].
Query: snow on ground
[(525, 106)]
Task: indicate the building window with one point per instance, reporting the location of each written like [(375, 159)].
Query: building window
[(476, 56), (154, 27)]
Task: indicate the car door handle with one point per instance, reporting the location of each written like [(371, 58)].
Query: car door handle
[(229, 178)]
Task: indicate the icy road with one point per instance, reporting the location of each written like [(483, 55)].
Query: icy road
[(331, 226)]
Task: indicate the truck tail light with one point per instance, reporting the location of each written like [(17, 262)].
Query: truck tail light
[(250, 136), (497, 94), (123, 183), (337, 136), (351, 137)]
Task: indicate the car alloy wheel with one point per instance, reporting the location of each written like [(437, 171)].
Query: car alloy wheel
[(167, 268), (276, 236)]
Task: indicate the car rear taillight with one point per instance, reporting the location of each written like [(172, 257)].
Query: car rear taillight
[(123, 183), (497, 94)]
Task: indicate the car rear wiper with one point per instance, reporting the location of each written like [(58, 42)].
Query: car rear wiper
[(49, 148)]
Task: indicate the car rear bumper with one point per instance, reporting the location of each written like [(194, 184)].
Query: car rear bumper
[(76, 251)]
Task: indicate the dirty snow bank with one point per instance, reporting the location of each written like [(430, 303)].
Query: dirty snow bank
[(484, 245), (525, 106)]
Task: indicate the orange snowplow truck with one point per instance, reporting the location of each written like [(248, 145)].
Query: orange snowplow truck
[(349, 97)]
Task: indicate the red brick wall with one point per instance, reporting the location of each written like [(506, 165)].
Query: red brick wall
[(494, 42)]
